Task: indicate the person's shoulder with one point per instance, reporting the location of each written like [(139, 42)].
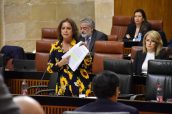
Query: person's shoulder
[(147, 24), (85, 107), (129, 108), (140, 52), (99, 32), (100, 35), (131, 25)]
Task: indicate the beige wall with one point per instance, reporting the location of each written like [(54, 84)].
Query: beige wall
[(23, 19), (1, 24), (103, 15)]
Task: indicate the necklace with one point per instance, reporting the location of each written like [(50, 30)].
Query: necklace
[(65, 47)]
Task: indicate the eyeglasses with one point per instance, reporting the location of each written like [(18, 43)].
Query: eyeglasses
[(150, 41)]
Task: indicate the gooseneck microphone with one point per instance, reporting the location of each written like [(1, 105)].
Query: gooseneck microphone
[(42, 77)]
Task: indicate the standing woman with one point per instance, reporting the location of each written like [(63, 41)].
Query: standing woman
[(69, 83), (138, 25), (152, 49)]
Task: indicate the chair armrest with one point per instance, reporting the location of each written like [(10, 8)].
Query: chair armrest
[(138, 97), (112, 38), (37, 86), (125, 96), (42, 91)]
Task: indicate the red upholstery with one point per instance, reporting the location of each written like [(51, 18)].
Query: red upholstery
[(112, 38), (49, 33), (119, 26), (42, 54), (106, 49), (134, 49), (156, 24)]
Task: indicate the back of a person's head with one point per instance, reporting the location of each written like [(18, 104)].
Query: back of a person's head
[(28, 105), (105, 84)]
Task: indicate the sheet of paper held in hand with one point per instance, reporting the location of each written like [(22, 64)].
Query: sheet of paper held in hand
[(77, 53)]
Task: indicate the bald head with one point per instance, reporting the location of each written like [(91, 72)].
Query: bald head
[(28, 105)]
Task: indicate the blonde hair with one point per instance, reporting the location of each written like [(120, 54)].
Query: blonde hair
[(156, 37)]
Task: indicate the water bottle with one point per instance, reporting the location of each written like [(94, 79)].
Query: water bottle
[(139, 37), (24, 87), (159, 93)]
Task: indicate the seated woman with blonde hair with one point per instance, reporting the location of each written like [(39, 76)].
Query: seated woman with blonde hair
[(152, 49)]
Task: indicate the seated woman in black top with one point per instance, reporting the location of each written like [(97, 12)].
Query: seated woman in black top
[(152, 49), (138, 27)]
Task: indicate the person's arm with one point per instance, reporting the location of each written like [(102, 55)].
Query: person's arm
[(145, 28), (128, 34), (7, 106), (135, 63), (55, 63), (102, 36)]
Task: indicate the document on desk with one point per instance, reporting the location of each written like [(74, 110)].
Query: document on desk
[(77, 54)]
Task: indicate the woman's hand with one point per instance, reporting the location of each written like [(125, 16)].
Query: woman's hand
[(128, 36), (83, 43), (63, 61)]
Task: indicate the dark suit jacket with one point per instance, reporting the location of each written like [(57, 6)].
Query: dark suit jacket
[(140, 57), (97, 35), (132, 29), (7, 106), (105, 105)]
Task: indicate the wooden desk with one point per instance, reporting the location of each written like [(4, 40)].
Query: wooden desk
[(127, 47), (14, 79), (56, 105)]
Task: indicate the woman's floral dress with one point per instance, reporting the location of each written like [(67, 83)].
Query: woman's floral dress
[(70, 83)]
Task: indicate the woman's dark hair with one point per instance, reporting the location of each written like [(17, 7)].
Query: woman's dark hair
[(143, 14), (74, 29), (105, 84)]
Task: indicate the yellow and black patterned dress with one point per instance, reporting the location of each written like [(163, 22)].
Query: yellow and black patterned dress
[(70, 83)]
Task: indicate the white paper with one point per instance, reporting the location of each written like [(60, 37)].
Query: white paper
[(77, 54), (69, 52)]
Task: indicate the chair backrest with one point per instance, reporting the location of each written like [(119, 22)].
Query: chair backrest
[(75, 112), (42, 54), (156, 25), (49, 33), (134, 50), (112, 38), (159, 71), (106, 49), (24, 65), (124, 69), (10, 53), (119, 26), (169, 52)]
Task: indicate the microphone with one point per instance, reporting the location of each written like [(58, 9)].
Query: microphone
[(42, 77)]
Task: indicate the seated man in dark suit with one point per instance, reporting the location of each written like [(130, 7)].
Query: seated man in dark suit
[(89, 34), (106, 89)]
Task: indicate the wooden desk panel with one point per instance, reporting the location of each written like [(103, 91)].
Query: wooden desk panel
[(15, 85)]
